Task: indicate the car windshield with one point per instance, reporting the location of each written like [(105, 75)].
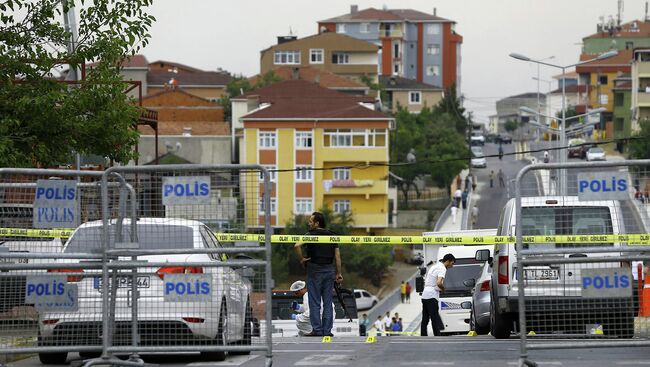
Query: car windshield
[(478, 154), (596, 150), (150, 237)]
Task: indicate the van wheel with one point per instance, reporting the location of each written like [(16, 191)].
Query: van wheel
[(90, 355), (248, 331), (53, 358), (220, 339), (476, 327), (499, 323)]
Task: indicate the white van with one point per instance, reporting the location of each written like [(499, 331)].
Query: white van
[(455, 301), (555, 291)]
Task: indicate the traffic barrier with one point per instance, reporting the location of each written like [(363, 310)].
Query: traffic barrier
[(644, 309), (582, 239)]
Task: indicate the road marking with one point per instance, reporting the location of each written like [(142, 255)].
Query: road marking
[(539, 363), (428, 363), (324, 360), (231, 361)]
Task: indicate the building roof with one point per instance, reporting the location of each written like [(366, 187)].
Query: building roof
[(178, 66), (396, 15), (131, 62), (624, 57), (343, 42), (633, 29), (202, 78), (525, 95), (300, 99), (325, 78), (574, 88), (399, 83), (569, 75)]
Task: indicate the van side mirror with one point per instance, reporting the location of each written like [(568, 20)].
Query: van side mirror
[(482, 255)]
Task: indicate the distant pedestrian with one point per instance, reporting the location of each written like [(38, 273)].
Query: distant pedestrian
[(434, 283), (379, 326), (458, 195), (474, 183), (463, 198), (468, 181), (474, 215), (454, 210), (459, 181), (364, 324), (402, 291), (547, 158), (491, 179), (502, 178), (387, 321), (401, 325), (394, 326), (408, 292)]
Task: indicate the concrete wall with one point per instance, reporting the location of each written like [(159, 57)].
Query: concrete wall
[(429, 99), (413, 219), (196, 149)]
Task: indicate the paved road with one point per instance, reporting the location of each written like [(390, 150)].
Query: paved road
[(458, 351)]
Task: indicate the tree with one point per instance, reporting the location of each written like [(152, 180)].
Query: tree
[(451, 105), (640, 144), (446, 151), (511, 125), (43, 121), (408, 140)]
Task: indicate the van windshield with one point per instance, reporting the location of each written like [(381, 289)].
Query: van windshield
[(546, 221)]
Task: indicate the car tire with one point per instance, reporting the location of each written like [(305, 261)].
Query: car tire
[(473, 325), (220, 355), (90, 355), (248, 331), (53, 358), (499, 323)]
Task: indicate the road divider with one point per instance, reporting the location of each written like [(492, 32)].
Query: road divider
[(583, 239)]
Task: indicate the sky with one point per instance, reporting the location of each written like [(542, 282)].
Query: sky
[(212, 34)]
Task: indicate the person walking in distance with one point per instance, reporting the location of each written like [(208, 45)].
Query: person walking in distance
[(474, 215), (434, 283), (502, 178), (323, 263), (463, 198), (491, 179), (402, 291), (458, 195), (473, 183), (408, 292), (454, 211)]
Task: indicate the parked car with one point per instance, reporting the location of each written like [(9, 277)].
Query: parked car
[(478, 158), (503, 139), (479, 317), (595, 154), (222, 316), (477, 140), (575, 148), (365, 300)]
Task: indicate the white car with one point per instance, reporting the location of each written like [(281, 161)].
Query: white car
[(166, 316), (478, 158), (365, 300), (595, 154), (477, 140)]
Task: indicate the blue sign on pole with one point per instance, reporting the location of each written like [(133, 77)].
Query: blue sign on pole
[(55, 204)]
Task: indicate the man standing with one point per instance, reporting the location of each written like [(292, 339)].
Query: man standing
[(408, 292), (364, 325), (323, 263), (379, 325), (474, 215), (402, 291), (387, 322), (303, 317), (491, 179), (502, 178), (458, 195), (433, 285)]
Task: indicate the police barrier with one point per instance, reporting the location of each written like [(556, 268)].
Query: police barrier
[(584, 290), (144, 272)]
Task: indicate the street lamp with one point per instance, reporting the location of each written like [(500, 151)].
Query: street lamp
[(602, 56)]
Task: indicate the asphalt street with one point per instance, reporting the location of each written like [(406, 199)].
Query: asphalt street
[(461, 351)]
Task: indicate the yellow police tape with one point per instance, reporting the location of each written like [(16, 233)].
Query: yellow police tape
[(631, 239)]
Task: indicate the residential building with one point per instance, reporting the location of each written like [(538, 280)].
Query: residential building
[(190, 127), (640, 97), (508, 109), (414, 45), (338, 53), (599, 75), (577, 97), (311, 138), (622, 105), (409, 93), (210, 85), (320, 76), (612, 35)]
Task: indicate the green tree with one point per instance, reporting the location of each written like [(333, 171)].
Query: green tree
[(511, 125), (451, 105), (408, 141), (640, 144), (43, 121), (446, 151)]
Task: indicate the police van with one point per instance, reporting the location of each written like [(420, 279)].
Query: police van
[(284, 323), (557, 299), (455, 302)]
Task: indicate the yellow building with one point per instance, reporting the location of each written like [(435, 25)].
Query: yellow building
[(330, 148)]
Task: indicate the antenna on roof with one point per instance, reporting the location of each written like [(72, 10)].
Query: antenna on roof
[(620, 12), (646, 12), (290, 31), (385, 7)]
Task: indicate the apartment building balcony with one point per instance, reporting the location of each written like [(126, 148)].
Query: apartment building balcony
[(643, 69), (391, 33), (643, 99), (356, 187), (376, 220)]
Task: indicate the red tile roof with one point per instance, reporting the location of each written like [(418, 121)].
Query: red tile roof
[(624, 57), (633, 29), (204, 78), (295, 99), (387, 15), (326, 78), (572, 89), (131, 62)]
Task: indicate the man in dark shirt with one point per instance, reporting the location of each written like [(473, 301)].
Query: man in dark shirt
[(323, 263)]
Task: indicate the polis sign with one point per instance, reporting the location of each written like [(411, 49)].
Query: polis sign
[(603, 186), (55, 204)]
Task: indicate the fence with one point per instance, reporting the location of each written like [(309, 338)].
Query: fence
[(144, 271), (586, 290)]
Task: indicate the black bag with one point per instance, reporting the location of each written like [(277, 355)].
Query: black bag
[(419, 284)]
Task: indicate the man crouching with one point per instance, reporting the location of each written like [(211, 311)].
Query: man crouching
[(299, 288)]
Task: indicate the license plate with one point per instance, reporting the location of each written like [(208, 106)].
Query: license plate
[(541, 274), (124, 282)]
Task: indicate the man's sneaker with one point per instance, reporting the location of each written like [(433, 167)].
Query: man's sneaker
[(312, 334)]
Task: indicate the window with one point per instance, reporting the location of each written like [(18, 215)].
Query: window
[(341, 206), (341, 173), (433, 49), (433, 28), (272, 173), (340, 28), (266, 140), (303, 139), (286, 57), (304, 206), (603, 99), (364, 28), (602, 79), (415, 97), (304, 173), (396, 53), (316, 56), (433, 70), (340, 58), (273, 206), (396, 69), (354, 138), (618, 100)]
